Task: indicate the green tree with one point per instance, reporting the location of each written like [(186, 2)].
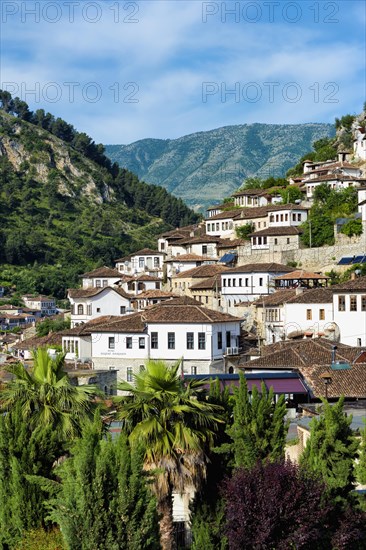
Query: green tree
[(47, 397), (291, 194), (259, 430), (361, 466), (244, 231), (24, 454), (352, 227), (332, 449), (103, 501), (175, 427)]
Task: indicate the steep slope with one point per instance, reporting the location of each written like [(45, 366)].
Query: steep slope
[(205, 167), (63, 213)]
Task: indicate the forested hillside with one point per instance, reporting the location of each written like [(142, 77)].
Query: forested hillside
[(64, 207), (205, 167)]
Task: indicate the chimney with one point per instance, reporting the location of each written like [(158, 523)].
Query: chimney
[(299, 290)]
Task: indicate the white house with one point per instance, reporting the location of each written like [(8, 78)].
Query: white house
[(349, 305), (144, 261), (359, 143), (100, 277), (45, 304), (337, 175), (140, 283), (184, 262), (309, 315), (176, 330), (90, 303), (276, 238), (245, 283), (255, 197)]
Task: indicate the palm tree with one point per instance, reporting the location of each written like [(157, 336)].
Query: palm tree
[(47, 396), (175, 425)]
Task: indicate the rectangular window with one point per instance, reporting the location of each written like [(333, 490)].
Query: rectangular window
[(156, 261), (88, 309), (240, 281), (141, 262), (190, 340), (105, 282), (224, 282), (204, 249), (98, 309), (98, 283), (129, 342), (341, 303), (111, 342), (77, 348), (122, 310), (201, 340), (141, 343), (234, 282), (171, 340), (219, 340), (363, 303), (247, 281), (193, 370), (228, 338), (299, 217), (260, 281), (308, 315), (359, 342), (154, 340), (321, 314), (353, 303), (129, 374)]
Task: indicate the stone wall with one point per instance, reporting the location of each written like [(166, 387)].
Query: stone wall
[(323, 259)]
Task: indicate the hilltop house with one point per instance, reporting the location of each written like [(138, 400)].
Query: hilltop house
[(178, 329), (359, 143), (45, 304), (349, 305), (259, 218), (93, 302), (182, 282), (146, 261), (100, 277), (337, 175), (255, 197), (245, 283)]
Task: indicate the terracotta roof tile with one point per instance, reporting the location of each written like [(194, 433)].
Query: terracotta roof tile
[(101, 272), (206, 270), (301, 274), (260, 268), (276, 298), (89, 292), (211, 283), (277, 231), (358, 284), (313, 296)]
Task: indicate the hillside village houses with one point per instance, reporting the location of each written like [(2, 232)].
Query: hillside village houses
[(201, 292), (177, 329)]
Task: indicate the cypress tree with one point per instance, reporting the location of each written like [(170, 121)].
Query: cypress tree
[(361, 466), (24, 455), (332, 449), (259, 430), (103, 502)]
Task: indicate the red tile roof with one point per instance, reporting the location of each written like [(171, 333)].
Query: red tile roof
[(101, 272), (89, 292)]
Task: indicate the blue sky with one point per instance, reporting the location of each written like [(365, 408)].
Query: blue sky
[(128, 70)]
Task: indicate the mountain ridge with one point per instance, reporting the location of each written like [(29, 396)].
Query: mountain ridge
[(205, 166)]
